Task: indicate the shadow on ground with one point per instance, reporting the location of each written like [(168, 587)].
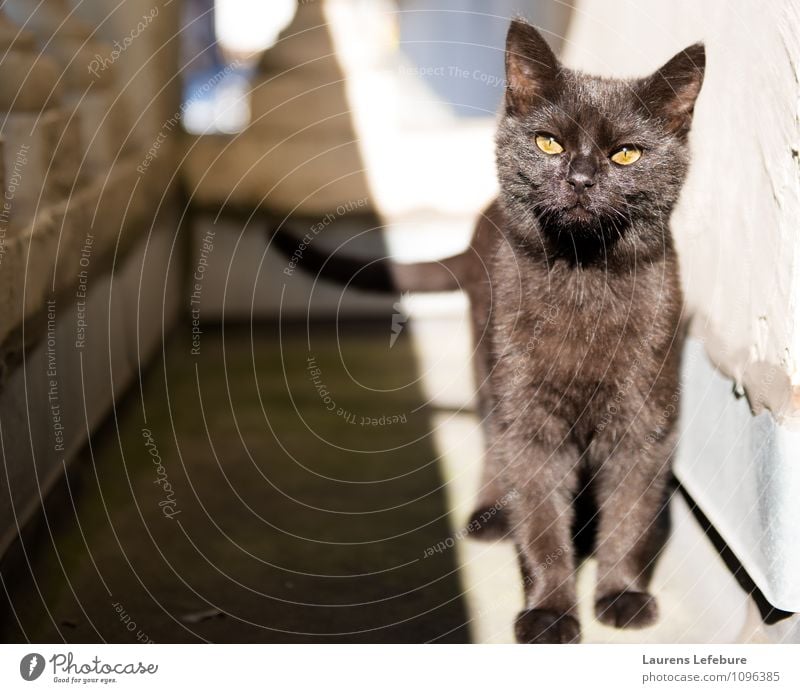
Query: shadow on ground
[(292, 520)]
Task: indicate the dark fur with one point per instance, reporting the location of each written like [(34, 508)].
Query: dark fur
[(576, 309), (590, 270)]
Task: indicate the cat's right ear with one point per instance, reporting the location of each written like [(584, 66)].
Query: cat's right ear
[(531, 67)]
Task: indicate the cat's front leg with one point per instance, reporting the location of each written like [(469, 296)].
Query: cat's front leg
[(632, 494), (541, 517)]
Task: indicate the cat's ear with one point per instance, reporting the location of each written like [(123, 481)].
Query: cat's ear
[(531, 67), (670, 92)]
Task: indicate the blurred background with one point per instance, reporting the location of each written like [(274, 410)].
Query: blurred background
[(202, 443)]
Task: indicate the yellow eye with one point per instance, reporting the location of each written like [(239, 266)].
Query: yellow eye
[(548, 144), (625, 156)]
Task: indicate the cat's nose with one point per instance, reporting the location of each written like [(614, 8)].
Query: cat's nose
[(581, 175), (580, 182)]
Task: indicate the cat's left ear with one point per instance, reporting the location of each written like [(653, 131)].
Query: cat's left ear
[(670, 92)]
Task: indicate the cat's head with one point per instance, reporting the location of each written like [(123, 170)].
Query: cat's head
[(587, 156)]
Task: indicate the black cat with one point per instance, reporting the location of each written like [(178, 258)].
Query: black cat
[(576, 309)]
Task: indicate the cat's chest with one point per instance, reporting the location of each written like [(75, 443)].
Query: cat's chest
[(595, 306), (586, 324)]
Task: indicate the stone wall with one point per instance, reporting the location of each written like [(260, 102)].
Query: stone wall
[(86, 230)]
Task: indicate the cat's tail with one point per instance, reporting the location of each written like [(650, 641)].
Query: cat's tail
[(380, 276)]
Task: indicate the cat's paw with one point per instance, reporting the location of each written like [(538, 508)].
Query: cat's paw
[(543, 626), (627, 610)]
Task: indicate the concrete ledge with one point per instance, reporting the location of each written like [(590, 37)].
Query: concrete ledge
[(90, 351)]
